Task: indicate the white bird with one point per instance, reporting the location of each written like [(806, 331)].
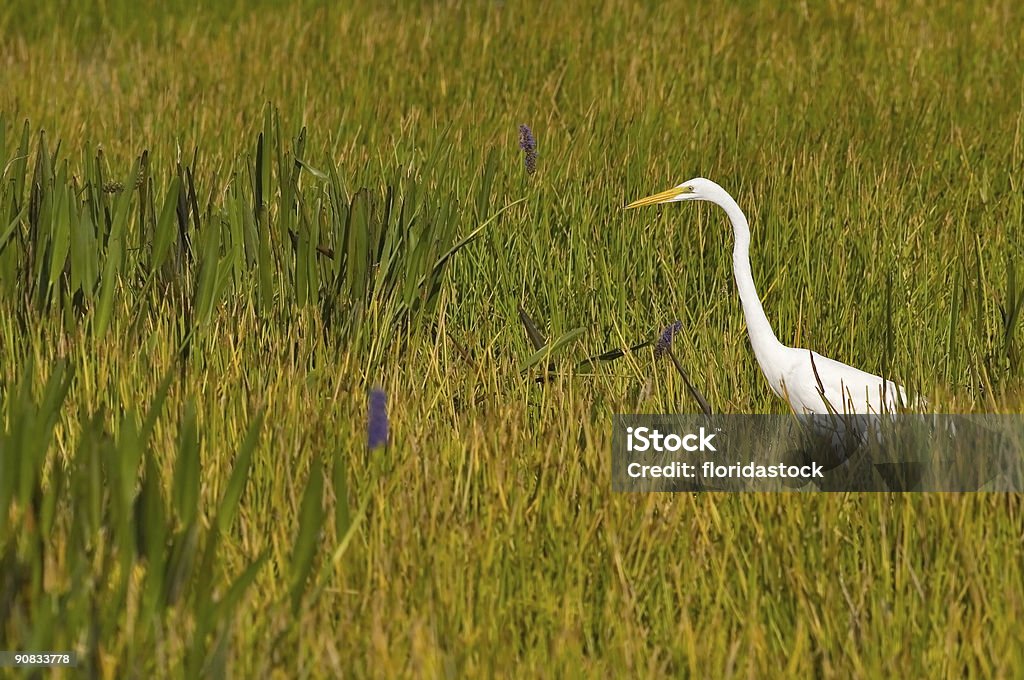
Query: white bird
[(809, 382)]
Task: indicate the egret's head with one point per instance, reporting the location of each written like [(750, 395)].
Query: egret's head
[(696, 189)]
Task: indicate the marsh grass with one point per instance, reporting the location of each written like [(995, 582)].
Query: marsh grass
[(197, 288)]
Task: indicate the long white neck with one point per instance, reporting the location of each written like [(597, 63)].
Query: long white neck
[(762, 337)]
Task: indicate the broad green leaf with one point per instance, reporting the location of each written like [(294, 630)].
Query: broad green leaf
[(545, 352)]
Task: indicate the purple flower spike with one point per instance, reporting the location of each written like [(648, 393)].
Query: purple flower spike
[(529, 146), (378, 418), (664, 342)]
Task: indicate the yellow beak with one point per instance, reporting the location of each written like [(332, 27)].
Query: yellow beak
[(663, 197)]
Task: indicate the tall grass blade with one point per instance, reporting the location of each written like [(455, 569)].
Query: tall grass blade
[(185, 490), (311, 515)]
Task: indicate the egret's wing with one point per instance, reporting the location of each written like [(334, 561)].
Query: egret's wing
[(817, 384)]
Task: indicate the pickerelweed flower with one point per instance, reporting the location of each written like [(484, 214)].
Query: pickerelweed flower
[(529, 146), (664, 342), (377, 419)]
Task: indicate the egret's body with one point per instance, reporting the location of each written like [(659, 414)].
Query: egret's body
[(810, 382)]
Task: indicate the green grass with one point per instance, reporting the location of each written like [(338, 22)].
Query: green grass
[(185, 486)]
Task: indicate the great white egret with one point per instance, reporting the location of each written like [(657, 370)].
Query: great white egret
[(810, 382)]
